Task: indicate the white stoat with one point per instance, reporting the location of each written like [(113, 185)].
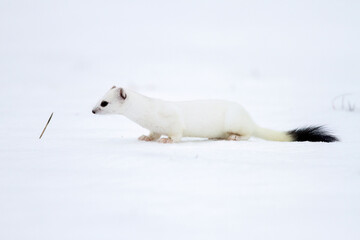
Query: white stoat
[(213, 119)]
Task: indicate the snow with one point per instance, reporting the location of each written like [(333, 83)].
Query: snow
[(89, 178)]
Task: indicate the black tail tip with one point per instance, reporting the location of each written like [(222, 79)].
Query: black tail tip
[(312, 134)]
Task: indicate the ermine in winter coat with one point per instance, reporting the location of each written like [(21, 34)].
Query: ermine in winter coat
[(213, 119)]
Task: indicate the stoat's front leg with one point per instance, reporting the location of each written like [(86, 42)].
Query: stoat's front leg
[(170, 139), (152, 137)]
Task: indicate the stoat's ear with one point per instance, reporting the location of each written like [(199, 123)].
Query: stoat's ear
[(113, 87), (122, 94)]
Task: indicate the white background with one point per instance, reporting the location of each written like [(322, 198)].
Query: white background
[(89, 178)]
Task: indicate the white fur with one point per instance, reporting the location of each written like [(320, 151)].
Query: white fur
[(215, 119)]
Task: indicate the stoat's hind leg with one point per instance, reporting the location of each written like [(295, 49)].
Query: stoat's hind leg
[(236, 137), (238, 124), (152, 137)]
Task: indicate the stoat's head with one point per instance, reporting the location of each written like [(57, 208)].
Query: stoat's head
[(112, 102)]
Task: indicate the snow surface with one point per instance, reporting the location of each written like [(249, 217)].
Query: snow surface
[(89, 178)]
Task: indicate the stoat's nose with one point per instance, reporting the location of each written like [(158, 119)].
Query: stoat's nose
[(93, 111)]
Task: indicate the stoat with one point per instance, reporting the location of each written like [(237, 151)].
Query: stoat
[(213, 119)]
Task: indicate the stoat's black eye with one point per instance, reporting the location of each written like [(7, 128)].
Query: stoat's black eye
[(104, 103)]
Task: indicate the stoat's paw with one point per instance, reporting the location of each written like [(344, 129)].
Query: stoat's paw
[(145, 138), (165, 140), (234, 138)]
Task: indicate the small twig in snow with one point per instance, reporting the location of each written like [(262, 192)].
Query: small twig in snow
[(342, 97), (46, 125), (351, 107)]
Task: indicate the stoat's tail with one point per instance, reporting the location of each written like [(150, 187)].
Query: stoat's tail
[(311, 134)]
